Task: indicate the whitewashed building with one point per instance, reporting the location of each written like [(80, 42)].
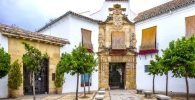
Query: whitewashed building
[(167, 22), (125, 41)]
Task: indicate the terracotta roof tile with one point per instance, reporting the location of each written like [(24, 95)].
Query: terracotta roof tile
[(66, 14), (164, 8), (18, 32)]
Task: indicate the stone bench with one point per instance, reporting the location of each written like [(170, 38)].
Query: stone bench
[(139, 91), (148, 94), (99, 97), (163, 97)]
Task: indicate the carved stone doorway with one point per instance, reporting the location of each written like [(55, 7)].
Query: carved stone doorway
[(117, 44), (116, 75)]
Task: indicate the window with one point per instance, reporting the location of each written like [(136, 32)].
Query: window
[(146, 68), (190, 26), (86, 39), (148, 43), (85, 80)]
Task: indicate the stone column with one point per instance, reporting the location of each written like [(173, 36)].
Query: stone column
[(130, 76), (104, 73)]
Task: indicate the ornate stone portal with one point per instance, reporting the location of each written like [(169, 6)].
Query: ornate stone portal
[(117, 22)]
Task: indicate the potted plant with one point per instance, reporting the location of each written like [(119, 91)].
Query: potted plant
[(15, 79), (59, 80)]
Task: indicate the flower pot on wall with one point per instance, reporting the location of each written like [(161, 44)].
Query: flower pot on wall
[(59, 90)]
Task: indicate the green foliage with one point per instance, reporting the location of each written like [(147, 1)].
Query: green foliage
[(15, 76), (155, 67), (4, 63), (166, 60), (65, 63), (59, 77), (181, 57), (32, 58), (79, 61)]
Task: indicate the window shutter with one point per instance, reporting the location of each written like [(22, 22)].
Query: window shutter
[(86, 39), (190, 26), (148, 39), (118, 40)]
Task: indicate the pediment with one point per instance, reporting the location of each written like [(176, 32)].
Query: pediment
[(109, 20)]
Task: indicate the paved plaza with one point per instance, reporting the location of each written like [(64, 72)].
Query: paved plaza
[(123, 95), (109, 95)]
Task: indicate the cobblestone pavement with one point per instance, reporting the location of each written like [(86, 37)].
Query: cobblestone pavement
[(123, 95)]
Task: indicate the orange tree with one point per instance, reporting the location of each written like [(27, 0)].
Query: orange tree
[(181, 58), (166, 63), (78, 62), (32, 59), (155, 68)]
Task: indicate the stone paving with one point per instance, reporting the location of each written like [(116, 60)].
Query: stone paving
[(109, 95), (70, 96), (141, 96), (123, 95)]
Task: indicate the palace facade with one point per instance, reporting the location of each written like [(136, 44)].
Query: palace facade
[(124, 42)]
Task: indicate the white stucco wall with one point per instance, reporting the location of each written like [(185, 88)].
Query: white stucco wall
[(70, 28), (4, 80), (170, 26), (76, 38), (104, 11)]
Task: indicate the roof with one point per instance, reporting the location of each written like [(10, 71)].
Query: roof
[(66, 14), (13, 31), (162, 9), (116, 0)]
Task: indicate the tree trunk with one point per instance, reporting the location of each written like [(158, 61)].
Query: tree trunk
[(167, 81), (89, 83), (77, 86), (34, 98), (187, 87), (84, 89), (153, 85)]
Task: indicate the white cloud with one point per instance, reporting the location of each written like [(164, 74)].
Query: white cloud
[(32, 14)]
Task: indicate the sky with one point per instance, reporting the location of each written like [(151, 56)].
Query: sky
[(33, 14)]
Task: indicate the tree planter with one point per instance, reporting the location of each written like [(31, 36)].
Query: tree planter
[(59, 90), (14, 93)]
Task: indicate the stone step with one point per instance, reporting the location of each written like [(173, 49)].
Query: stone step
[(99, 97), (101, 92)]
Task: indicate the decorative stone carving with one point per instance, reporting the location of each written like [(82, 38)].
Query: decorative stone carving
[(133, 41), (117, 16), (117, 22)]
